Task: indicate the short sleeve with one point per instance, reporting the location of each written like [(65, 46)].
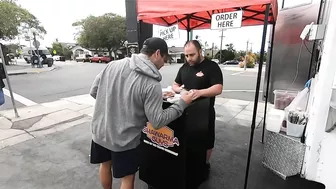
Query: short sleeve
[(216, 75), (178, 78)]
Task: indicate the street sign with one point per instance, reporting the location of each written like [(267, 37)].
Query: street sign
[(226, 20), (27, 38), (36, 44), (169, 33)]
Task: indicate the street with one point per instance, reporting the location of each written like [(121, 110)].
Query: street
[(72, 78)]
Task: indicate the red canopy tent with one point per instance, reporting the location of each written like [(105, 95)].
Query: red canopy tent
[(196, 14)]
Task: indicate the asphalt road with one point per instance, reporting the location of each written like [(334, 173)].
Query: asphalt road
[(71, 78)]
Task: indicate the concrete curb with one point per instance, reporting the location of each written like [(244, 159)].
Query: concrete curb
[(11, 73), (18, 73)]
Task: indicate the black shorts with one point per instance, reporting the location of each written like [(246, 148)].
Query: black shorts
[(123, 163), (211, 130)]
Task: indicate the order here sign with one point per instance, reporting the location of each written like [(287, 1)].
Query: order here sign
[(169, 33), (226, 20)]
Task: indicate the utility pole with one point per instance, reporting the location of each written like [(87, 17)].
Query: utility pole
[(221, 44), (246, 53), (212, 49)]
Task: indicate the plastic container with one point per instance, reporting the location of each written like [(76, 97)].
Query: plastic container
[(295, 130), (283, 98), (274, 120)]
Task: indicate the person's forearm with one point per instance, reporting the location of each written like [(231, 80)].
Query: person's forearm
[(176, 88), (212, 91), (161, 118)]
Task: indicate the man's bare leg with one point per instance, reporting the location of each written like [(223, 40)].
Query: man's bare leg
[(105, 174), (127, 182)]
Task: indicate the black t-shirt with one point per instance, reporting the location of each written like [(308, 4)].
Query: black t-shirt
[(201, 76)]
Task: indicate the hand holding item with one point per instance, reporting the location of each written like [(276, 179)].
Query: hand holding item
[(168, 94), (187, 97), (196, 94)]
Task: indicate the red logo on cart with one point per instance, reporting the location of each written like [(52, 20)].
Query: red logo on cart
[(163, 137)]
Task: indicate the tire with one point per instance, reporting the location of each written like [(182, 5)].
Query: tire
[(90, 61), (99, 61)]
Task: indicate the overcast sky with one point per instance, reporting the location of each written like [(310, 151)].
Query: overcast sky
[(57, 17)]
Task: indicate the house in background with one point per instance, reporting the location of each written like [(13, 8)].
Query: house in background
[(78, 50), (177, 54)]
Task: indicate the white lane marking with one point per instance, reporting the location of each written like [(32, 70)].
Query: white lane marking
[(238, 73), (241, 90), (20, 98)]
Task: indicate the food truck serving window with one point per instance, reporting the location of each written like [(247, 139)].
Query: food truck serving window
[(294, 3)]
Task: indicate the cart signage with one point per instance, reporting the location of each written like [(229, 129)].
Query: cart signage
[(226, 20), (169, 33), (163, 137)]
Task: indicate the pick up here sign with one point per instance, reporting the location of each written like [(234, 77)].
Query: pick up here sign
[(169, 33)]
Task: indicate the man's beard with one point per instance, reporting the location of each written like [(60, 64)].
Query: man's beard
[(198, 61)]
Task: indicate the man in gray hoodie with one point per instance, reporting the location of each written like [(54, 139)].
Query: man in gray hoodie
[(128, 95)]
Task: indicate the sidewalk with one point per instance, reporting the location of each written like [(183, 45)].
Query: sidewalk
[(37, 118), (238, 69), (56, 150)]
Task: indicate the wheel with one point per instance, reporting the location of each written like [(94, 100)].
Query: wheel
[(90, 61), (83, 60), (100, 61)]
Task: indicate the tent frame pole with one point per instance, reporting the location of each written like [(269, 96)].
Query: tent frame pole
[(256, 99), (267, 85)]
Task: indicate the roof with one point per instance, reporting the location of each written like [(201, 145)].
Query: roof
[(198, 12)]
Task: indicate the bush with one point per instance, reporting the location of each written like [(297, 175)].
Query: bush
[(251, 58)]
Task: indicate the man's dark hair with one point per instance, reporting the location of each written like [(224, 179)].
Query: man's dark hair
[(195, 43)]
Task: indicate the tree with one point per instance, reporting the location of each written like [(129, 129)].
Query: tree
[(250, 61), (239, 55), (13, 18), (258, 57), (230, 47), (12, 48), (226, 55), (107, 31), (61, 50)]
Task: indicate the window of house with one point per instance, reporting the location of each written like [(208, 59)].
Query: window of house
[(294, 3)]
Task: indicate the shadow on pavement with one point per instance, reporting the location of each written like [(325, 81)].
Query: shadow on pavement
[(61, 160)]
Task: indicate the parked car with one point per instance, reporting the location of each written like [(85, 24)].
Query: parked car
[(231, 62), (100, 59), (215, 60), (83, 58), (58, 58)]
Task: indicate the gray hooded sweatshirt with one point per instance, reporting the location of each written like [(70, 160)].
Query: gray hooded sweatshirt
[(128, 93)]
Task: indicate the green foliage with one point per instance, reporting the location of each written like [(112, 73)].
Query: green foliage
[(226, 55), (107, 31), (250, 61), (258, 57), (13, 18), (60, 50)]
